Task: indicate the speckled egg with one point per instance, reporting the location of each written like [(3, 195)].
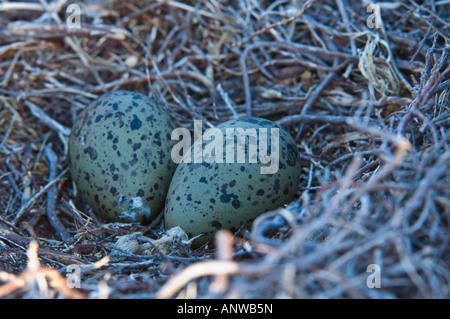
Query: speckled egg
[(237, 171), (119, 155)]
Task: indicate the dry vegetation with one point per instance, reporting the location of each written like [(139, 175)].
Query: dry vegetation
[(369, 108)]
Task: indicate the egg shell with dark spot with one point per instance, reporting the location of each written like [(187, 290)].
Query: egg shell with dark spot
[(207, 196), (119, 156)]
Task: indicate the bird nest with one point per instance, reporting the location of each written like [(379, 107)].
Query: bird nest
[(363, 88)]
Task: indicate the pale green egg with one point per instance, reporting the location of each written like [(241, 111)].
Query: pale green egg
[(119, 155), (207, 196)]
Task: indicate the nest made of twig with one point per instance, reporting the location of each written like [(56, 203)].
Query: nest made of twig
[(367, 106)]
